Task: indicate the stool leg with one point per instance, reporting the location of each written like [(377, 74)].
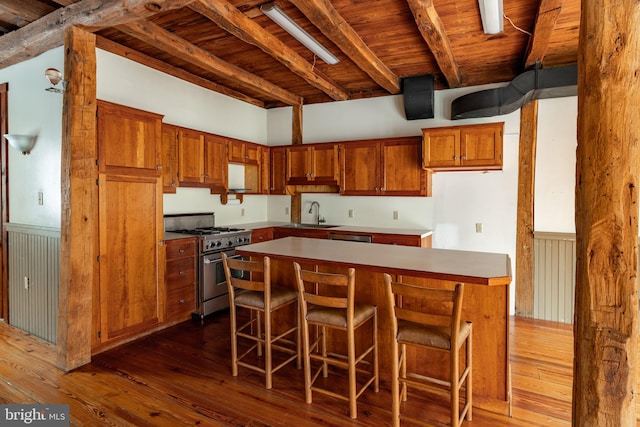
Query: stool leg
[(307, 360), (259, 332), (403, 371), (455, 387), (298, 338), (325, 370), (267, 349), (395, 384), (353, 410), (470, 376), (234, 341), (376, 383)]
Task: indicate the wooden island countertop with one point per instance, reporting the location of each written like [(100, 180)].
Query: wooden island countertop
[(485, 304), (478, 268)]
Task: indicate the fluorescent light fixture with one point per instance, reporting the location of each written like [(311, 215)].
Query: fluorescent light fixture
[(492, 16), (279, 17)]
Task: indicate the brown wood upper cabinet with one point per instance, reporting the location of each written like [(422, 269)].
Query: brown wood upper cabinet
[(472, 147), (130, 140), (203, 160), (277, 168), (383, 167), (169, 158), (243, 152), (312, 164)]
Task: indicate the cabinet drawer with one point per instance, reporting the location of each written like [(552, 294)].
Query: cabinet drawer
[(180, 272), (181, 301), (181, 249)]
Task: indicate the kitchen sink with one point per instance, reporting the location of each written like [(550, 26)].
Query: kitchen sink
[(307, 225)]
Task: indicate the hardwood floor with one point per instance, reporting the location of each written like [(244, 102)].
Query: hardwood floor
[(182, 376)]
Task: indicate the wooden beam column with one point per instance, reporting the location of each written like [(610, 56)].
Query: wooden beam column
[(526, 187), (608, 165), (296, 138), (78, 234)]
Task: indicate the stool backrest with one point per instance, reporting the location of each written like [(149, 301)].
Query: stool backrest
[(427, 306), (325, 288), (244, 274)]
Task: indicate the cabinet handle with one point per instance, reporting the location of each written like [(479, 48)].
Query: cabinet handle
[(182, 273), (181, 300), (181, 251), (463, 157), (159, 167), (455, 157)]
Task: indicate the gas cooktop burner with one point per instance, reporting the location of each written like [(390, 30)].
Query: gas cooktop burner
[(203, 231)]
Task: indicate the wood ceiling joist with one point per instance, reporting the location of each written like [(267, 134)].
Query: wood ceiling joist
[(324, 16), (26, 10), (48, 32), (235, 22), (166, 41), (433, 32), (141, 58), (548, 13)]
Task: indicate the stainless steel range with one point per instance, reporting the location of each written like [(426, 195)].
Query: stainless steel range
[(212, 242)]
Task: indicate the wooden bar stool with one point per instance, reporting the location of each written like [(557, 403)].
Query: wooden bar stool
[(257, 295), (325, 310), (434, 320)]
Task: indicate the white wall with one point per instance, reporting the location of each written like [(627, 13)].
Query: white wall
[(34, 111), (555, 184)]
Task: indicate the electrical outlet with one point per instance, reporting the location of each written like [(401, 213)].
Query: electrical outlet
[(241, 211), (350, 213), (40, 198), (478, 227), (395, 214), (26, 282), (286, 211)]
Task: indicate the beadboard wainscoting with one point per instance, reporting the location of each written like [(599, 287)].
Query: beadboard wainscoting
[(34, 277), (554, 277)]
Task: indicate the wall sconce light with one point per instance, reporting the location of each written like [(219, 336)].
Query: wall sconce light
[(22, 143), (55, 76), (492, 14)]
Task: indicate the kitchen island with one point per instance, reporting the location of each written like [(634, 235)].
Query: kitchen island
[(486, 298)]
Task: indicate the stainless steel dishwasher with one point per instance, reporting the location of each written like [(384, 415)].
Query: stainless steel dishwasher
[(350, 237)]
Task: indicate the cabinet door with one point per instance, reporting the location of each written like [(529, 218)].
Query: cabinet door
[(481, 146), (252, 153), (215, 162), (440, 148), (277, 170), (132, 259), (191, 149), (169, 158), (236, 151), (128, 140), (324, 164), (360, 169), (402, 174), (298, 164)]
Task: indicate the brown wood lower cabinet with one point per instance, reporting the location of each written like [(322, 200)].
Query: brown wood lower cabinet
[(181, 276), (261, 234)]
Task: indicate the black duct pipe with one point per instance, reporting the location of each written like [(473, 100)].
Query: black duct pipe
[(535, 84)]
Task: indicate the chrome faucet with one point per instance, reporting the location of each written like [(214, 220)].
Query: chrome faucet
[(319, 220)]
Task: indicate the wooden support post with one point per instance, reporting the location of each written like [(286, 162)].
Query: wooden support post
[(608, 165), (526, 186), (78, 234), (4, 200), (296, 138)]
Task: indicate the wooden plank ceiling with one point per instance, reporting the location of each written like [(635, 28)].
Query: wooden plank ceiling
[(231, 47)]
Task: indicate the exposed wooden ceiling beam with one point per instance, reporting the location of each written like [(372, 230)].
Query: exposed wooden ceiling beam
[(434, 34), (141, 58), (324, 16), (48, 32), (25, 10), (166, 41), (548, 13), (235, 22)]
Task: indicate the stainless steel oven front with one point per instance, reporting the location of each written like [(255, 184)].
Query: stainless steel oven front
[(213, 283)]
